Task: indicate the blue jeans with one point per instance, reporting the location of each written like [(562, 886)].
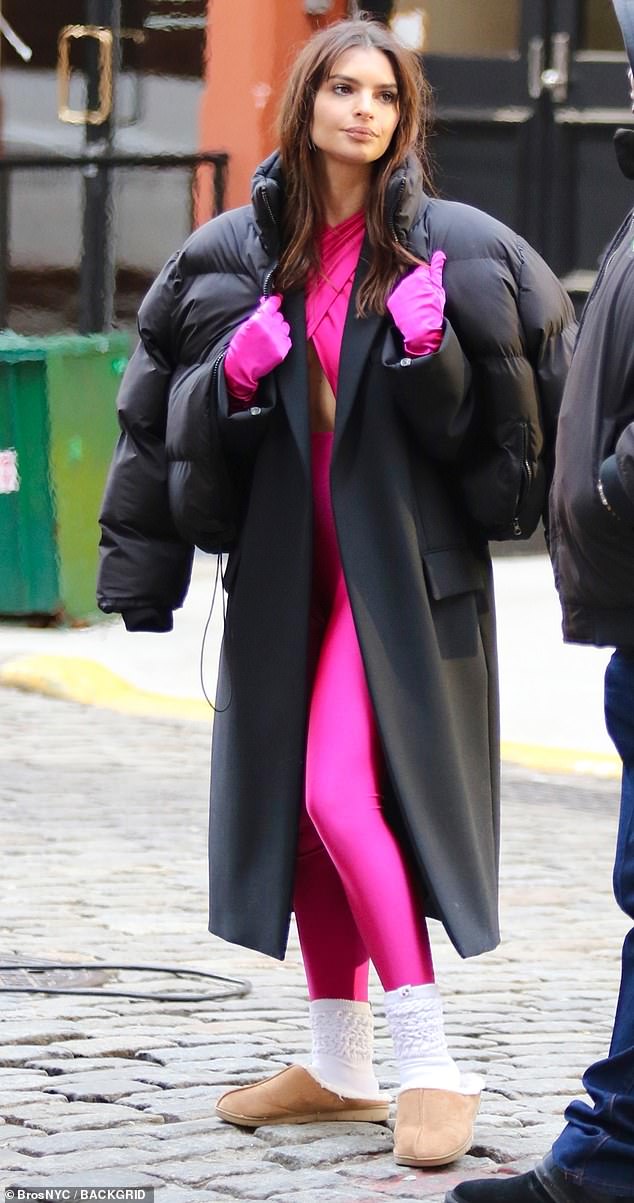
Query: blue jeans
[(596, 1148)]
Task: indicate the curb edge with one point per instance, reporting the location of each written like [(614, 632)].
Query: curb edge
[(90, 683)]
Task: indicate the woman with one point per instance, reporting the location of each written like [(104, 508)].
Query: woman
[(376, 438)]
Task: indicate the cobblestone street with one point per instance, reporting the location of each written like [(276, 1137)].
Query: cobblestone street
[(104, 821)]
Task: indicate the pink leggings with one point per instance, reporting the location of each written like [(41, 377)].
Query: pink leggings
[(355, 897)]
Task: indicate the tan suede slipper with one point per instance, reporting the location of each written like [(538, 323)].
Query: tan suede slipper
[(433, 1127), (294, 1096)]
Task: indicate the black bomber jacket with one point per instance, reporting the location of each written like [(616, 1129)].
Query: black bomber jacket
[(592, 500)]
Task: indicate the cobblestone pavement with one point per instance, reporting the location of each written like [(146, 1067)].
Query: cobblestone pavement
[(104, 856)]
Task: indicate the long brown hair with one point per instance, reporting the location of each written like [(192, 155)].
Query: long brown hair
[(303, 208)]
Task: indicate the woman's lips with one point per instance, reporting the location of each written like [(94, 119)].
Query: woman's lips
[(360, 134)]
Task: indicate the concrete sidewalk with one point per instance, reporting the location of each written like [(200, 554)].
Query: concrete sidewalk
[(552, 711)]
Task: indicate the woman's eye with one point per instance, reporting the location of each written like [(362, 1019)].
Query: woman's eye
[(389, 97), (341, 89)]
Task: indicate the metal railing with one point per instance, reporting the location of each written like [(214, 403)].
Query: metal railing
[(95, 169)]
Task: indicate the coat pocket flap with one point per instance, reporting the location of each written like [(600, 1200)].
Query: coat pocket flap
[(450, 571)]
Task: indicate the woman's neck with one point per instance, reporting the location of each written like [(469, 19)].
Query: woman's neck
[(344, 190)]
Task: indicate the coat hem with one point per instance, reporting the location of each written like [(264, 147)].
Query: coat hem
[(252, 945)]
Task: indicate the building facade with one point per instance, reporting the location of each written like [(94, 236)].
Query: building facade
[(527, 94)]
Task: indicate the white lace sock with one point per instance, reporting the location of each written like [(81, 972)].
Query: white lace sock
[(343, 1042), (414, 1015)]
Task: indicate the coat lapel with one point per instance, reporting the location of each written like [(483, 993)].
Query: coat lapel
[(292, 375), (358, 336)]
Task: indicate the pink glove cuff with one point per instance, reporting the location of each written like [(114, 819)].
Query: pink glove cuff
[(257, 347), (240, 397), (425, 345), (241, 392), (417, 307)]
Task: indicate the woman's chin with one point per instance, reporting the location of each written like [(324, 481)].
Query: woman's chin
[(358, 154)]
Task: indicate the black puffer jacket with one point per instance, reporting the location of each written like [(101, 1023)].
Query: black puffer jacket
[(514, 323), (592, 503)]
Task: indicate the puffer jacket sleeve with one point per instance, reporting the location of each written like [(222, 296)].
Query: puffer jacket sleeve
[(203, 485), (550, 330), (520, 355), (145, 565)]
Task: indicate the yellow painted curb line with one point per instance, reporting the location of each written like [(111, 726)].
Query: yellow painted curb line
[(86, 681), (566, 761), (78, 680)]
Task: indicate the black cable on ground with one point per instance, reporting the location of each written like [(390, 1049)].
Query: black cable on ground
[(242, 985)]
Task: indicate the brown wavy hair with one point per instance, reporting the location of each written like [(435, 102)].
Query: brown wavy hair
[(303, 210)]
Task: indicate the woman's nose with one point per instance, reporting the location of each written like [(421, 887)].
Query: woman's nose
[(365, 104)]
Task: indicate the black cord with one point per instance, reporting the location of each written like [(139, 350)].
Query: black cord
[(219, 573), (243, 986)]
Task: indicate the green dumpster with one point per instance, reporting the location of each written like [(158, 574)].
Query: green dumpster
[(58, 428)]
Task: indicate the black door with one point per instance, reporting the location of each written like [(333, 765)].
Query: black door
[(589, 99), (488, 128), (528, 94)]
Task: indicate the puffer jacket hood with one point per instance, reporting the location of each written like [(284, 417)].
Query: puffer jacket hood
[(624, 147)]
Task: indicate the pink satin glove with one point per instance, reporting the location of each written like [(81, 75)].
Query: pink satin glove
[(417, 306), (258, 346)]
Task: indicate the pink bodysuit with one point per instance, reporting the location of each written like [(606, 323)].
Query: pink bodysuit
[(355, 898)]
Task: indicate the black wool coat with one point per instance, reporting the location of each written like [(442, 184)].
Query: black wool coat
[(431, 458)]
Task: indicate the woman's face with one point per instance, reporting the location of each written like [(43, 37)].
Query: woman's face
[(356, 108)]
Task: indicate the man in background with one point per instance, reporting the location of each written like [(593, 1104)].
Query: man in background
[(592, 548)]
